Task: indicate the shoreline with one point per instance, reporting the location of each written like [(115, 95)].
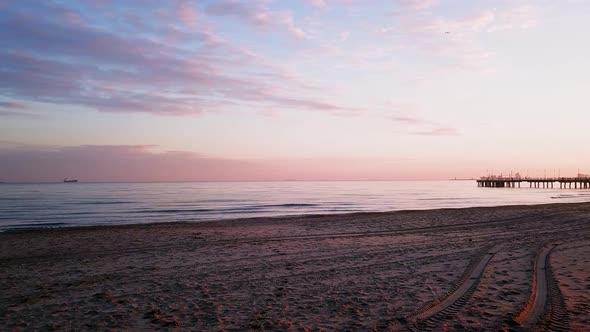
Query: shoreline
[(282, 218), (442, 269)]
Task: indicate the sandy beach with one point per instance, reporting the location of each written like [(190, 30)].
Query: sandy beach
[(503, 268)]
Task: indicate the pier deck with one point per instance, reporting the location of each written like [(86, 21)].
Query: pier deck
[(507, 182)]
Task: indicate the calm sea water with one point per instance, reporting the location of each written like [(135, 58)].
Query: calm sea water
[(62, 204)]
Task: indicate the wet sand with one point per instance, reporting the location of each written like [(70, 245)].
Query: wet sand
[(504, 268)]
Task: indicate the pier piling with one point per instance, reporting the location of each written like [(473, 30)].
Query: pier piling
[(581, 182)]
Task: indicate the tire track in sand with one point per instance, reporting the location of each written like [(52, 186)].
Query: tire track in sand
[(545, 310), (429, 316)]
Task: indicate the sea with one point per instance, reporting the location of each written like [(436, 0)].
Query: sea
[(85, 204)]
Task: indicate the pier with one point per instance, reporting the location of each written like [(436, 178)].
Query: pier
[(514, 182)]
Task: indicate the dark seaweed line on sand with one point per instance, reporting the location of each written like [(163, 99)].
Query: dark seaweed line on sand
[(400, 231)]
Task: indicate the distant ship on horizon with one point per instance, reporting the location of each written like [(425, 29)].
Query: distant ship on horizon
[(66, 180)]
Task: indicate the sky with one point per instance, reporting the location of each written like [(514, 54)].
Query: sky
[(229, 90)]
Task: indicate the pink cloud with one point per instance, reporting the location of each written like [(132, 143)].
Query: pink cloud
[(451, 40), (73, 18), (319, 3), (408, 119), (15, 110), (139, 163), (455, 40), (472, 23), (14, 114), (83, 65), (187, 13), (322, 4), (91, 163), (414, 124), (417, 4), (519, 17), (12, 105), (442, 131), (257, 14)]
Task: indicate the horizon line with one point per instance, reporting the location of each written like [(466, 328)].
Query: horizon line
[(237, 181)]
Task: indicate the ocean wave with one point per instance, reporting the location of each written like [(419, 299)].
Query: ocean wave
[(288, 205), (44, 206), (446, 198), (103, 203), (168, 211), (10, 227)]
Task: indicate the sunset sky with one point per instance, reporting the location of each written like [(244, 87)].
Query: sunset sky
[(109, 90)]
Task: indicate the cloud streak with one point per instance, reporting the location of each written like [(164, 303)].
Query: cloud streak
[(180, 71), (257, 14), (15, 109), (12, 105), (91, 163), (440, 131), (455, 39)]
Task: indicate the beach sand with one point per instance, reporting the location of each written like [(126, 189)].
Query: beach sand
[(502, 268)]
